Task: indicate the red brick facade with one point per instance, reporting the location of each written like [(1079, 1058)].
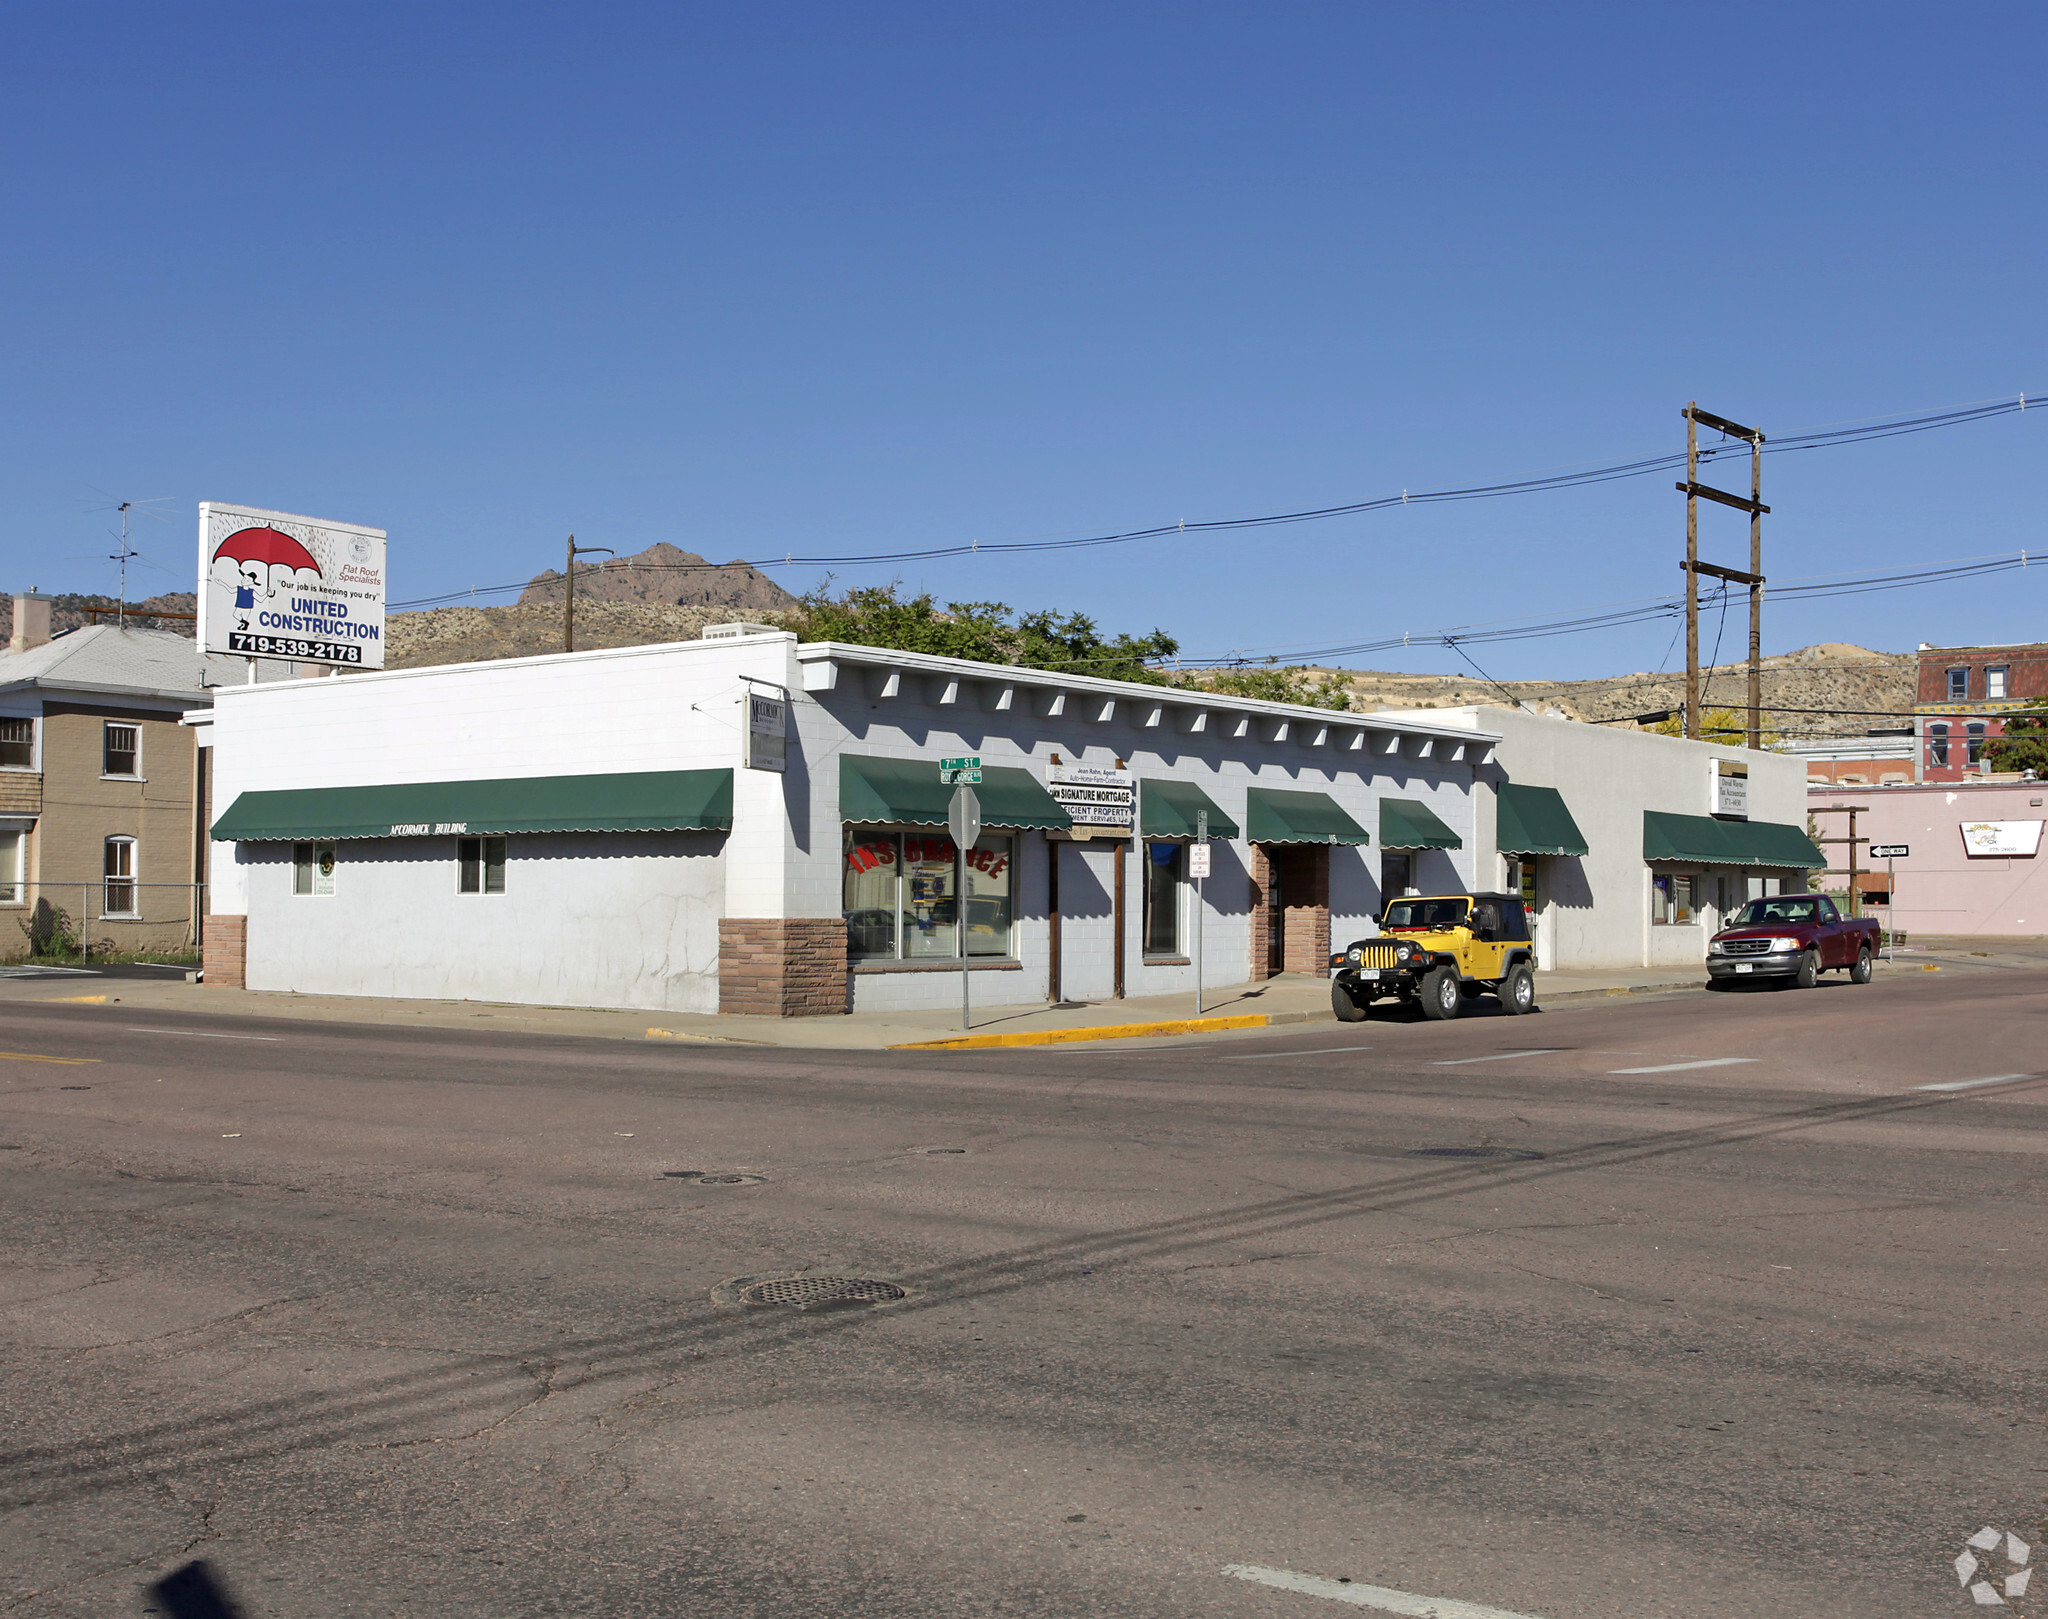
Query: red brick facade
[(1963, 691), (1304, 873), (782, 966), (224, 951)]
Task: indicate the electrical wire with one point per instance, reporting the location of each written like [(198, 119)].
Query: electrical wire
[(1670, 460)]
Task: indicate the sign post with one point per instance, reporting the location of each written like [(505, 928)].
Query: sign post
[(1198, 868), (963, 820), (1891, 854)]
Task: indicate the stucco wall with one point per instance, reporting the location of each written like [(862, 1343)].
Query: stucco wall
[(619, 919), (1941, 887)]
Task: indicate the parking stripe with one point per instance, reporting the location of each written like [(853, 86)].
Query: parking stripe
[(1498, 1056), (1675, 1067), (1972, 1084), (1314, 1051), (1369, 1596)]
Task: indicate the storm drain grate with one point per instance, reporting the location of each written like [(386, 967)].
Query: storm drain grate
[(807, 1292), (1472, 1152)]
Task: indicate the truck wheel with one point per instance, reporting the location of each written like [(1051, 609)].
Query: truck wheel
[(1347, 1009), (1518, 990), (1809, 970), (1442, 996), (1860, 973)]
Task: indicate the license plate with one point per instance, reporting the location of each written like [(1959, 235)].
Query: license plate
[(1368, 972), (1745, 966)]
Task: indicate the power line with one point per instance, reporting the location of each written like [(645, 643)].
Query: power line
[(1814, 440)]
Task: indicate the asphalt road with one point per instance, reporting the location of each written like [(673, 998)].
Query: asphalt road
[(409, 1322)]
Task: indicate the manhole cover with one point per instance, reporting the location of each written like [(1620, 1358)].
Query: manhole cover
[(699, 1177), (1472, 1152), (809, 1292)]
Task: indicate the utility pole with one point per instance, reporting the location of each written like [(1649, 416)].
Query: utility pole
[(1694, 491), (569, 588)]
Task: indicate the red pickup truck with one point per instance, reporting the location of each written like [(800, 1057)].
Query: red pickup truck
[(1793, 939)]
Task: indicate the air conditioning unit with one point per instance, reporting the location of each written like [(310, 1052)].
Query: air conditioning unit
[(730, 632)]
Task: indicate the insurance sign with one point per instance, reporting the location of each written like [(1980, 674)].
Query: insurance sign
[(272, 585)]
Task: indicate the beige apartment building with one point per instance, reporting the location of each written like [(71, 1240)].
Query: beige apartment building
[(103, 802)]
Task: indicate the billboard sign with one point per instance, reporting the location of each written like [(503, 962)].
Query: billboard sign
[(276, 586), (1096, 796)]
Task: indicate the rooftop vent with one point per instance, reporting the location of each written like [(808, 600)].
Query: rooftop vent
[(728, 632)]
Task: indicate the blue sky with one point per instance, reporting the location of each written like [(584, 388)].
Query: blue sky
[(849, 278)]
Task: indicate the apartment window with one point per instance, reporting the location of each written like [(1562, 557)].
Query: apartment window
[(1994, 680), (10, 868), (18, 744), (1164, 868), (118, 757), (313, 869), (481, 866), (1974, 742), (1937, 745), (899, 899), (1958, 685), (1671, 899), (120, 878)]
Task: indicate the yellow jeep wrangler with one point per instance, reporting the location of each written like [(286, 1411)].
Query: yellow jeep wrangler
[(1440, 951)]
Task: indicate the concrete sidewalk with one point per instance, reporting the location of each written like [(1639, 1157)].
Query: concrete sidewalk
[(1288, 999)]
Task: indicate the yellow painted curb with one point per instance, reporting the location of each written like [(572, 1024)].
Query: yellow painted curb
[(74, 1000), (1106, 1031)]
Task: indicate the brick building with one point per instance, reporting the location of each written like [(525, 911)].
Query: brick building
[(102, 791), (1964, 693)]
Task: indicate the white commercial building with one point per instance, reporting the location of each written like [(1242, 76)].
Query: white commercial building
[(747, 824), (1631, 848)]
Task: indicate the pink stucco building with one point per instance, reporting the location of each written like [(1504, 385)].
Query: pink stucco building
[(1976, 863)]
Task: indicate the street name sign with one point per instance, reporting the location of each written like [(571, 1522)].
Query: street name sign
[(954, 772)]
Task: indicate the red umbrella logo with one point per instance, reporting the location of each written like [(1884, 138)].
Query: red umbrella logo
[(266, 547)]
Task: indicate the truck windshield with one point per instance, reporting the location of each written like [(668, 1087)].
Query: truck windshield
[(1426, 913), (1785, 908)]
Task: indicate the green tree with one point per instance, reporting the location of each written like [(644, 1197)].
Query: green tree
[(1724, 725), (882, 615), (1293, 684), (2024, 745)]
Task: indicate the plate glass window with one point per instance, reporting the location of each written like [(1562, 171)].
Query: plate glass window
[(313, 869), (1670, 899), (1397, 874), (120, 748), (481, 866), (10, 868), (1994, 680), (119, 867), (1958, 685), (18, 744), (898, 895), (1165, 874)]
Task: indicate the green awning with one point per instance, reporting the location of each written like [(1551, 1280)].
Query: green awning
[(1167, 809), (634, 801), (1275, 816), (908, 792), (1534, 820), (1700, 840), (1405, 824)]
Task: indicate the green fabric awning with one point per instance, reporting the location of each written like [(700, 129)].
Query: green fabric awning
[(908, 792), (1406, 824), (635, 801), (1274, 816), (1534, 820), (1701, 840), (1167, 809)]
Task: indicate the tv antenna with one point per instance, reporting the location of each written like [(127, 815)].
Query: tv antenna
[(128, 510)]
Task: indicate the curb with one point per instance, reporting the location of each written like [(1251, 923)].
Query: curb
[(1105, 1031)]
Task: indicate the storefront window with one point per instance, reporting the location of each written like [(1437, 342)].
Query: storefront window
[(1163, 868), (1670, 899), (900, 901), (313, 868), (1397, 873)]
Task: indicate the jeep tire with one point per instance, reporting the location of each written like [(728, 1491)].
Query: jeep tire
[(1518, 990), (1443, 997), (1347, 1007)]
